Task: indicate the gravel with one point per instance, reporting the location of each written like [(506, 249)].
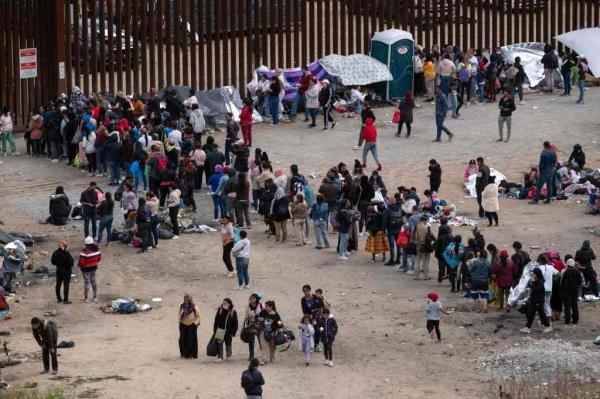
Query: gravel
[(544, 360)]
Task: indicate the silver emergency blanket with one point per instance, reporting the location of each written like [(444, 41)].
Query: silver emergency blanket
[(470, 185), (520, 293), (531, 58)]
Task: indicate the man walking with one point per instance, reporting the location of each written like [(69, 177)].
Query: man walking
[(441, 109), (483, 177), (392, 221), (419, 235), (46, 335), (88, 201), (62, 259), (231, 137), (546, 170), (301, 94), (507, 107)]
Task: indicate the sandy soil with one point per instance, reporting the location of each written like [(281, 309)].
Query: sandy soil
[(382, 350)]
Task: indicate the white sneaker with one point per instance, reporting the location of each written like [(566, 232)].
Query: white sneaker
[(246, 287), (342, 258), (547, 330), (347, 254), (525, 330), (53, 161), (356, 147), (230, 274), (218, 360), (331, 363), (175, 238), (410, 272), (14, 154), (238, 288), (522, 102), (326, 363)]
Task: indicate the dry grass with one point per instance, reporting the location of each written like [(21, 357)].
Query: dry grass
[(17, 392), (563, 388)]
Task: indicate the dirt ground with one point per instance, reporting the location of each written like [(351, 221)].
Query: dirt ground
[(382, 350)]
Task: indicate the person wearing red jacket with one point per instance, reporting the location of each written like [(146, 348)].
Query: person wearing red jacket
[(89, 258), (246, 122), (369, 135), (504, 270)]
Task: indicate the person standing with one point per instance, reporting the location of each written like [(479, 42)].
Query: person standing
[(489, 201), (433, 310), (328, 328), (89, 146), (429, 72), (578, 77), (231, 137), (565, 70), (435, 176), (112, 155), (251, 321), (481, 271), (273, 99), (366, 112), (6, 133), (319, 213), (444, 238), (326, 103), (546, 169), (548, 272), (270, 323), (405, 107), (535, 302), (224, 328), (344, 221), (299, 212), (392, 222), (419, 237), (300, 97), (88, 201), (189, 320), (227, 242), (504, 270), (280, 213), (253, 380), (550, 62), (569, 288), (445, 69), (142, 220), (62, 259), (241, 252), (152, 204), (46, 335), (105, 209), (173, 200), (584, 256), (507, 107), (483, 177), (519, 80), (441, 109), (369, 135), (89, 258), (246, 122), (312, 101)]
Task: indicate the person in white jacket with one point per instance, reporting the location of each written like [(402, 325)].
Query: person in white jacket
[(489, 201), (197, 121), (241, 252), (312, 101), (89, 144), (548, 271)]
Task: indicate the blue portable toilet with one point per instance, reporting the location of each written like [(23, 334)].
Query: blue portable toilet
[(395, 48)]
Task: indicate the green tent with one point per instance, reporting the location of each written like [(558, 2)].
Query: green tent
[(395, 48)]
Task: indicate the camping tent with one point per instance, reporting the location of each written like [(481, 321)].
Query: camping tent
[(395, 48), (531, 58), (585, 42)]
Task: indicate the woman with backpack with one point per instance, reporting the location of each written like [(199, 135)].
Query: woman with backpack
[(280, 214), (224, 328), (270, 324), (253, 380), (189, 320)]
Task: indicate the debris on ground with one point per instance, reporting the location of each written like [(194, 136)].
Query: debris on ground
[(125, 306), (66, 344), (545, 359)]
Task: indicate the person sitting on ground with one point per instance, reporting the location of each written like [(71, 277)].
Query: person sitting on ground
[(60, 209), (577, 158)]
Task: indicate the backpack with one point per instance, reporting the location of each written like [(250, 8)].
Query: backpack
[(236, 235), (396, 218), (248, 382), (429, 245), (161, 164), (464, 75)]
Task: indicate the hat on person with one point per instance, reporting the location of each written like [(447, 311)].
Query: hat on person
[(433, 296), (472, 162), (504, 253), (325, 81), (89, 240), (571, 262)]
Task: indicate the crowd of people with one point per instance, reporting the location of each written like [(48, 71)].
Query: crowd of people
[(156, 160)]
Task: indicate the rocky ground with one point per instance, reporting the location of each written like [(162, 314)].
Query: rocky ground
[(382, 350)]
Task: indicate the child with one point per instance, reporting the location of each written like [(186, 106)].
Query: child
[(327, 327), (307, 342), (320, 304), (434, 307)]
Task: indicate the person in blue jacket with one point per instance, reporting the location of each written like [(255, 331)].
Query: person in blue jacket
[(546, 170), (452, 256)]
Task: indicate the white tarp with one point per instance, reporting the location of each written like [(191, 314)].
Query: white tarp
[(470, 185), (531, 58), (356, 69), (585, 42)]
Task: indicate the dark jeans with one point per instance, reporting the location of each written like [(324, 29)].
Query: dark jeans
[(313, 116), (173, 212), (441, 269), (256, 194), (63, 279), (241, 213), (87, 218), (251, 341), (548, 179), (154, 185), (46, 358), (241, 266), (481, 211), (228, 342), (36, 146), (392, 236), (227, 255), (452, 278), (439, 123), (567, 82), (532, 309), (408, 129), (105, 223), (327, 116), (492, 216), (328, 350), (154, 221), (91, 166), (434, 324), (591, 279), (571, 305), (198, 177), (113, 168)]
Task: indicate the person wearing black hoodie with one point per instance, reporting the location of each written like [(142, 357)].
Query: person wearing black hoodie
[(59, 207), (535, 303), (584, 257), (435, 175), (443, 240), (62, 259), (366, 112), (569, 288), (225, 327), (112, 155), (253, 380)]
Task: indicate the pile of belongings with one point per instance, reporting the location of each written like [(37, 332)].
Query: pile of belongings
[(125, 306), (470, 184)]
